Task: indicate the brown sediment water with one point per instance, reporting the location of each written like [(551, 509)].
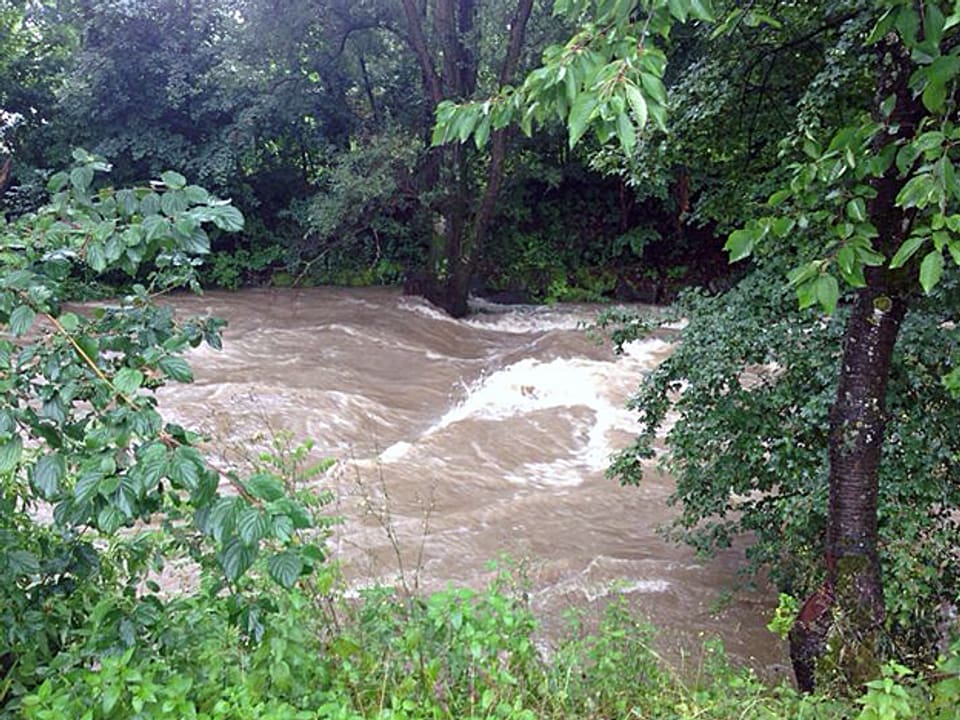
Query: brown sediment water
[(488, 436)]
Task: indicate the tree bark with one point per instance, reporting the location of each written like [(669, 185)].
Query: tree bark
[(838, 629), (462, 264)]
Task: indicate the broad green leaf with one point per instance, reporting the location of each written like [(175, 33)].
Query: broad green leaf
[(679, 9), (285, 567), (252, 525), (857, 210), (10, 453), (917, 192), (173, 180), (659, 114), (176, 368), (654, 87), (783, 225), (96, 256), (81, 178), (626, 133), (846, 258), (155, 227), (152, 463), (580, 115), (828, 292), (701, 10), (934, 96), (22, 562), (951, 381), (740, 244), (265, 486), (236, 558), (282, 528), (906, 251), (48, 473), (482, 133), (128, 381), (173, 202), (638, 104), (196, 195), (931, 270), (185, 467), (222, 518), (228, 218), (110, 519), (21, 319)]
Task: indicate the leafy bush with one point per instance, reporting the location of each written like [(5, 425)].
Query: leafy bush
[(95, 488), (751, 384)]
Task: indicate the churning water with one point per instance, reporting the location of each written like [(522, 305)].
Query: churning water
[(481, 438)]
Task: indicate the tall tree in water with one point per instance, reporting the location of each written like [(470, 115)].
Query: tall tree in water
[(869, 207), (449, 68)]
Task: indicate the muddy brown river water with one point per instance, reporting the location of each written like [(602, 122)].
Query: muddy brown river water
[(489, 436)]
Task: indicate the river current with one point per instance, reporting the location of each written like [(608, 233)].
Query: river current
[(471, 439)]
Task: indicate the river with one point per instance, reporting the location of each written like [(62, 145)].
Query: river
[(481, 438)]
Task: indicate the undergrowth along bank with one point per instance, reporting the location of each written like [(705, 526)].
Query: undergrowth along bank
[(456, 653)]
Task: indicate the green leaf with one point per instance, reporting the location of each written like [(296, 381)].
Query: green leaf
[(638, 104), (228, 218), (931, 270), (654, 87), (252, 525), (482, 133), (828, 293), (265, 486), (846, 258), (285, 568), (626, 133), (740, 244), (128, 381), (155, 226), (81, 179), (96, 256), (152, 463), (173, 202), (580, 116), (282, 528), (48, 473), (21, 319), (184, 467), (222, 518), (176, 368), (10, 453), (701, 10), (173, 180), (22, 562), (236, 558), (110, 519), (906, 251), (917, 192), (857, 210), (934, 96), (783, 225), (196, 195)]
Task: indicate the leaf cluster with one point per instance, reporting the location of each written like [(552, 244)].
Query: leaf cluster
[(86, 458)]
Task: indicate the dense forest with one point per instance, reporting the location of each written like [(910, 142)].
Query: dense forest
[(782, 173)]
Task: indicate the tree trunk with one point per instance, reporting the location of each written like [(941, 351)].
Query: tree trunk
[(466, 249), (837, 631)]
